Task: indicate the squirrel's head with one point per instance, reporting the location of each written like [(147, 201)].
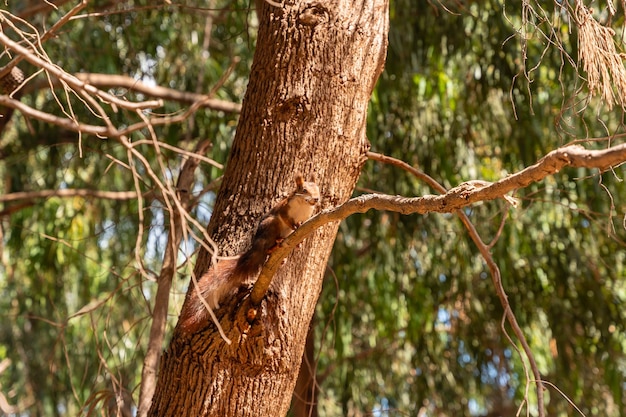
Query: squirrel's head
[(307, 190)]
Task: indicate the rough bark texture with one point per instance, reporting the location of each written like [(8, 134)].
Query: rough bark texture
[(305, 108)]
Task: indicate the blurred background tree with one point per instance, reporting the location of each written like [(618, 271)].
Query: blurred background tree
[(409, 322)]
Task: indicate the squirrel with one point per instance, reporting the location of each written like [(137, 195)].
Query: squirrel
[(227, 275)]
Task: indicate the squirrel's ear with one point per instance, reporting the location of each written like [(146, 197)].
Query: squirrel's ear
[(299, 180)]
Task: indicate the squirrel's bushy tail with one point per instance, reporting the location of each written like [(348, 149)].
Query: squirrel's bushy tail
[(213, 286), (220, 280)]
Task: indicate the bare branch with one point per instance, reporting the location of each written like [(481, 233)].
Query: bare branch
[(31, 195), (575, 156), (68, 124), (115, 81), (131, 84), (100, 131), (493, 268), (43, 6), (496, 279), (72, 81), (49, 33), (453, 200)]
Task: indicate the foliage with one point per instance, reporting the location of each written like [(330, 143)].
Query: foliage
[(424, 333), (77, 255)]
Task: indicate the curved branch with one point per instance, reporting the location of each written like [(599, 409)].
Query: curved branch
[(574, 156), (491, 264), (453, 200), (100, 131)]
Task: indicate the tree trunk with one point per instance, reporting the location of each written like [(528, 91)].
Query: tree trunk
[(304, 111)]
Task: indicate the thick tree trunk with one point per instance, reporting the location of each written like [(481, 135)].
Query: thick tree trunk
[(305, 109)]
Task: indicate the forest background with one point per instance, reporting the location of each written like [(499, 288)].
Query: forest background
[(409, 322)]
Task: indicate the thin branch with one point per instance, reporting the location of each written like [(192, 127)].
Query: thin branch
[(72, 81), (49, 33), (496, 279), (68, 124), (500, 228), (113, 81), (164, 93), (43, 6), (562, 394), (121, 81), (63, 20), (181, 152), (432, 183), (100, 131), (168, 269), (493, 268), (31, 195)]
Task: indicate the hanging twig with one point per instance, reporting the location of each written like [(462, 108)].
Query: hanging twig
[(161, 303)]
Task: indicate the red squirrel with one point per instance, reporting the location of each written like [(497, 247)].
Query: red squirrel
[(227, 275)]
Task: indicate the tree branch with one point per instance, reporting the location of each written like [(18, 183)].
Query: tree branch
[(31, 195), (112, 81), (455, 199), (100, 131), (49, 33), (123, 81), (72, 81), (44, 6), (69, 124), (491, 264), (450, 201)]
